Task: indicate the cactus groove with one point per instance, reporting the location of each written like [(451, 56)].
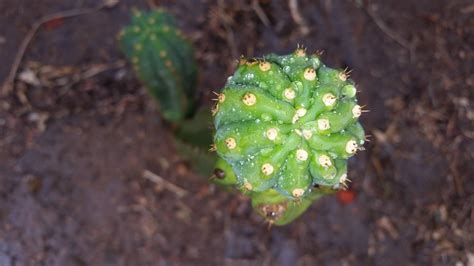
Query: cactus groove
[(285, 128)]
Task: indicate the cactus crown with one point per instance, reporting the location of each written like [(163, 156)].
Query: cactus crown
[(163, 60), (284, 125)]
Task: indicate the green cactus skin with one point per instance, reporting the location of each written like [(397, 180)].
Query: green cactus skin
[(163, 60), (285, 125), (223, 174), (279, 210)]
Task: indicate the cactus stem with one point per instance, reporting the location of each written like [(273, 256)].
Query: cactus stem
[(324, 161), (272, 133), (356, 111), (264, 66), (173, 86), (351, 146), (301, 155), (267, 169), (323, 124), (329, 99), (249, 99), (309, 74), (230, 143)]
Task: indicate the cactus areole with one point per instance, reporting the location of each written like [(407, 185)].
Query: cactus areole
[(285, 128)]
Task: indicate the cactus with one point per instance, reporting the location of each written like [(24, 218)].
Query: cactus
[(163, 60), (285, 125), (285, 128)]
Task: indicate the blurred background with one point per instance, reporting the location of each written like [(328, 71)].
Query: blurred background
[(77, 130)]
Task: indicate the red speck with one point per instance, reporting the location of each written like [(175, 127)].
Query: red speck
[(53, 24), (346, 196)]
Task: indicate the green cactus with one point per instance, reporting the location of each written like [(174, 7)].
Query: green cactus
[(284, 126), (163, 60), (279, 210)]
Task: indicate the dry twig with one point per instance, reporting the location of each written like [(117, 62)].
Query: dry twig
[(390, 33), (227, 21), (297, 17), (9, 81), (98, 69), (260, 13), (165, 184)]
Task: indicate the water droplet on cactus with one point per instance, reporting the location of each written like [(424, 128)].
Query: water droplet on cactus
[(249, 76)]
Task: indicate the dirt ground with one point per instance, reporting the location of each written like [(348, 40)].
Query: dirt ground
[(77, 132)]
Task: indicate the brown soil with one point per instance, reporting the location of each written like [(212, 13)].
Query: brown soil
[(73, 146)]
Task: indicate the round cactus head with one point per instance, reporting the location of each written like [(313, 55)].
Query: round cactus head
[(286, 124)]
